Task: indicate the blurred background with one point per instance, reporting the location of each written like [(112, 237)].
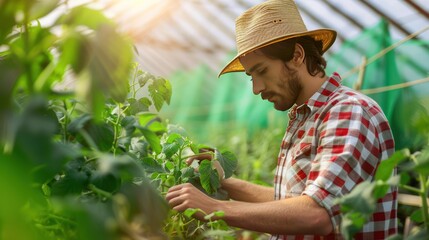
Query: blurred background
[(382, 50), (189, 41)]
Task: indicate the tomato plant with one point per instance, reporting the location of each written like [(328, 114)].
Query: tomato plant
[(84, 153)]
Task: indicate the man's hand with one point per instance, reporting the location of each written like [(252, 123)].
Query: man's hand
[(184, 196), (207, 154)]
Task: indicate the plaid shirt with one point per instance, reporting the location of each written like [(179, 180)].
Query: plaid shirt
[(333, 142)]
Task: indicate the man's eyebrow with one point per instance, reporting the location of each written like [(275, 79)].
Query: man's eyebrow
[(253, 69)]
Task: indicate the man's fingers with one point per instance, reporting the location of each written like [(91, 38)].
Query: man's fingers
[(199, 158), (190, 160), (178, 196), (219, 169)]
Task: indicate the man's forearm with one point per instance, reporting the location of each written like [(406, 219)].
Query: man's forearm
[(298, 215), (240, 190)]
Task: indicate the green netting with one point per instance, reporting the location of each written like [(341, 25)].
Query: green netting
[(206, 105), (405, 63)]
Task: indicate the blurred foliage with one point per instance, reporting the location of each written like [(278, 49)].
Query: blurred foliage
[(84, 154), (408, 116), (411, 164)]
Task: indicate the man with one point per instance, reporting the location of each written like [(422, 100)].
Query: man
[(335, 139)]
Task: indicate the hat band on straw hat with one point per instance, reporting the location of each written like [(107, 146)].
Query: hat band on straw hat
[(271, 22)]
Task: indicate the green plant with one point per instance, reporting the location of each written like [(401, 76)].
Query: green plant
[(86, 159), (410, 163)]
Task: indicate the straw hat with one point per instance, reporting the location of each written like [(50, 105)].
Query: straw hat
[(270, 22)]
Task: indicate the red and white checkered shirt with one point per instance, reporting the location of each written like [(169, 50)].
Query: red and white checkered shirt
[(333, 142)]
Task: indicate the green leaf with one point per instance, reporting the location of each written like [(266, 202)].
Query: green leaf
[(106, 181), (152, 138), (11, 70), (158, 101), (385, 169), (144, 77), (169, 165), (208, 217), (352, 223), (8, 10), (42, 8), (74, 181), (145, 119), (128, 123), (54, 161), (190, 211), (380, 189), (33, 134), (404, 178), (107, 72), (175, 137), (169, 149), (74, 51), (84, 16), (102, 134), (152, 122), (79, 123), (227, 160), (145, 204), (167, 91), (160, 91), (209, 177), (187, 174), (138, 106), (140, 148), (417, 216), (219, 213), (422, 162), (360, 199), (110, 64), (122, 166), (150, 165)]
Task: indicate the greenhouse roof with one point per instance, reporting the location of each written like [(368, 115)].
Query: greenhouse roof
[(176, 35)]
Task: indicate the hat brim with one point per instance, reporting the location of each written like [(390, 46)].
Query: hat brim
[(327, 36)]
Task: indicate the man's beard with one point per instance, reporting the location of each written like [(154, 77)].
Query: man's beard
[(291, 84)]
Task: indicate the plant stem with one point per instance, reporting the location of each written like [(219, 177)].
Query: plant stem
[(116, 129), (409, 188), (27, 62), (134, 82), (100, 191), (423, 192), (62, 219), (88, 139), (66, 121), (178, 167), (423, 195)]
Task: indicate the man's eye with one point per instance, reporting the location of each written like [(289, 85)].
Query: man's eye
[(262, 71)]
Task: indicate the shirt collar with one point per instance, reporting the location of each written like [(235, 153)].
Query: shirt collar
[(322, 95), (318, 98)]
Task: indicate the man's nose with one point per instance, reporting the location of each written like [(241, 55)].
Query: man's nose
[(258, 86)]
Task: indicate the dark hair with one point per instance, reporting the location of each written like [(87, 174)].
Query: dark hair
[(313, 53)]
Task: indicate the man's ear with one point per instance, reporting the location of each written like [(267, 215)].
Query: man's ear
[(298, 54)]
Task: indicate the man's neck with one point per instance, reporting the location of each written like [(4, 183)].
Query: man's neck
[(310, 85)]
